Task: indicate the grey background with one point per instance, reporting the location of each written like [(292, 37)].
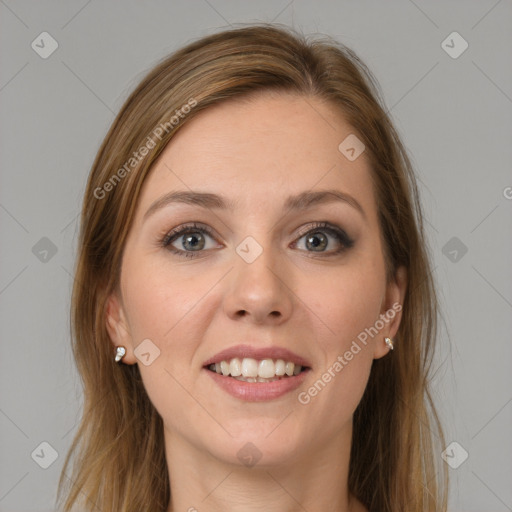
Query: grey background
[(455, 116)]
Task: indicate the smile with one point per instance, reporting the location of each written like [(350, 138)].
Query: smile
[(253, 370), (255, 380)]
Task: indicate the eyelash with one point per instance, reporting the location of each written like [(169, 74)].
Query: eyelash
[(344, 240)]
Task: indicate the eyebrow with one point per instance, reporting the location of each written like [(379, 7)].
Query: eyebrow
[(301, 201)]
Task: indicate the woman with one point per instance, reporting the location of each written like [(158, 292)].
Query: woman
[(253, 312)]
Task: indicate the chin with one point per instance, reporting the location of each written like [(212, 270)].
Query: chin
[(264, 449)]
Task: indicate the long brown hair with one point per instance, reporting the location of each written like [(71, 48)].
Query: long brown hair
[(118, 460)]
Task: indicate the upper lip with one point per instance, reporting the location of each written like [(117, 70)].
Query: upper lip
[(259, 353)]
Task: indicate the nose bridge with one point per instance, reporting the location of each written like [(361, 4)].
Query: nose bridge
[(258, 285)]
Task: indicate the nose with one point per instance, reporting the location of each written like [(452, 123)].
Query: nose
[(259, 291)]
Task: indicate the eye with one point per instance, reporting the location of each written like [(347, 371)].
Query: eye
[(188, 239), (318, 239)]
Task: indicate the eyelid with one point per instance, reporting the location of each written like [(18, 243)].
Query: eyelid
[(343, 238), (317, 225), (183, 228)]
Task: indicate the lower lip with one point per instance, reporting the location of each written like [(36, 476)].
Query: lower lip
[(257, 391)]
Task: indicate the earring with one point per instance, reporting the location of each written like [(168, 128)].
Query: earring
[(389, 343), (120, 353)]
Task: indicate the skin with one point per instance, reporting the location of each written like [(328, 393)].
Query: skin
[(257, 152)]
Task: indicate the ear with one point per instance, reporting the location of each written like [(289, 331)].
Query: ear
[(391, 311), (118, 328)]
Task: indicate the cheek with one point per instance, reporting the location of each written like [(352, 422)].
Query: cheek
[(158, 301), (165, 309), (170, 308), (347, 301)]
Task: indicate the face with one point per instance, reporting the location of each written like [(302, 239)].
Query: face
[(263, 261)]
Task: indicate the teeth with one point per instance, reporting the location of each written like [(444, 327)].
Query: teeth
[(266, 369), (235, 367), (256, 379), (249, 367), (280, 367), (252, 370), (224, 367)]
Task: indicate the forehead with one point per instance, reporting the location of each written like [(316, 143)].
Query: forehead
[(258, 150)]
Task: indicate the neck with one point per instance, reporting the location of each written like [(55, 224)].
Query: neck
[(315, 480)]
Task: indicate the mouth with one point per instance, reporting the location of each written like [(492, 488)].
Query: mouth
[(256, 374), (253, 370), (257, 380)]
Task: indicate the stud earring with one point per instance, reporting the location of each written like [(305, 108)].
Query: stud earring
[(120, 353), (389, 343)]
